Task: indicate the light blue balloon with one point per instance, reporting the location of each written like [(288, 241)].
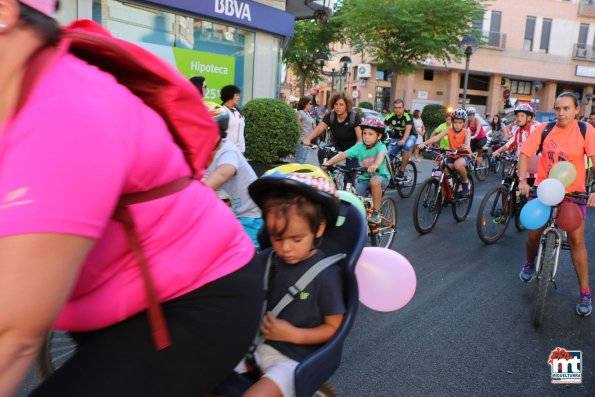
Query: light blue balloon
[(535, 214)]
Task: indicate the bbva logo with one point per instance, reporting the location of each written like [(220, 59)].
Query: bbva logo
[(233, 8)]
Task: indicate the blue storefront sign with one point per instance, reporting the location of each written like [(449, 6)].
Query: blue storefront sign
[(241, 12)]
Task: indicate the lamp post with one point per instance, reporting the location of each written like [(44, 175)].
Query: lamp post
[(537, 85), (345, 64), (469, 45)]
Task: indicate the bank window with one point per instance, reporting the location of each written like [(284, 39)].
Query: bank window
[(223, 54), (520, 87)]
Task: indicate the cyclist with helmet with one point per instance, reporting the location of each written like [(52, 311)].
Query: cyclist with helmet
[(401, 124), (478, 135), (299, 202), (370, 153), (523, 127), (229, 170), (458, 139)]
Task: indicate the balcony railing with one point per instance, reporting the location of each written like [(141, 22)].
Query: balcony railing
[(493, 40), (584, 51), (586, 9)]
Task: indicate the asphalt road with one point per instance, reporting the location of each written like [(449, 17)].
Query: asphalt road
[(467, 331)]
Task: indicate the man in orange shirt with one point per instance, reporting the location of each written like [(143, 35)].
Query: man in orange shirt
[(564, 143)]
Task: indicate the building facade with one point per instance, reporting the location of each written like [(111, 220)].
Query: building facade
[(523, 42), (236, 42)]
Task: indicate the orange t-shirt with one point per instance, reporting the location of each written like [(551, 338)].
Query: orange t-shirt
[(456, 141), (562, 144)]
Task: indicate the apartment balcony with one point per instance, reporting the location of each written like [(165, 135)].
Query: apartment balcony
[(586, 9), (585, 52), (495, 40)]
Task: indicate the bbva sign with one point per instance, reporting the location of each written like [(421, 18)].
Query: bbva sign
[(233, 8)]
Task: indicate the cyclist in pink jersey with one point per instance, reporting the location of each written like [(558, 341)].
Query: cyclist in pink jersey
[(69, 149), (478, 136)]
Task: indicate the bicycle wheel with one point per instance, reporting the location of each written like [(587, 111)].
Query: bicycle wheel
[(383, 235), (427, 207), (407, 186), (493, 215), (461, 205), (339, 179), (482, 169), (544, 277), (56, 350)]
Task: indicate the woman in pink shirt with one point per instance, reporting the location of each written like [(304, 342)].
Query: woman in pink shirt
[(70, 147)]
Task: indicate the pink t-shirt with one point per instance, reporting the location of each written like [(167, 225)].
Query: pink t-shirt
[(80, 142)]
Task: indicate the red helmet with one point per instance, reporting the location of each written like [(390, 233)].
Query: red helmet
[(525, 108), (374, 123)]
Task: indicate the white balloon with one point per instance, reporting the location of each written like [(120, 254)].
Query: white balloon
[(551, 191)]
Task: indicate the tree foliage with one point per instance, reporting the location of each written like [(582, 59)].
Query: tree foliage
[(433, 115), (310, 39), (272, 130), (400, 34)]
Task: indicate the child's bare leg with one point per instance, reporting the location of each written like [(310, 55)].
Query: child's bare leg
[(263, 388), (376, 188)]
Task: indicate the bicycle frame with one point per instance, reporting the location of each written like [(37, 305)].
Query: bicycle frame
[(552, 228)]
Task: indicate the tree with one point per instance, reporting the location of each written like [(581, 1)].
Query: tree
[(310, 39), (400, 34)]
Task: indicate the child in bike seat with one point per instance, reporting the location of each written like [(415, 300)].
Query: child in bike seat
[(298, 202), (230, 171), (459, 139), (370, 153)]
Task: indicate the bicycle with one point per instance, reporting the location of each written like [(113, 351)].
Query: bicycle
[(495, 165), (499, 205), (405, 187), (381, 235), (548, 255), (481, 169), (442, 188)]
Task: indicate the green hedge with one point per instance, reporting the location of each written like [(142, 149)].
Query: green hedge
[(272, 130), (433, 115), (366, 105)]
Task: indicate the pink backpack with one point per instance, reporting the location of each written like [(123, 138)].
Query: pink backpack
[(162, 88)]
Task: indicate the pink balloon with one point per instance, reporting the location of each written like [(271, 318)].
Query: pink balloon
[(385, 278), (533, 164)]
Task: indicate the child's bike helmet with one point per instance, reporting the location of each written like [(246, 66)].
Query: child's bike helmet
[(525, 108), (220, 115), (459, 114), (374, 123), (471, 111), (304, 179)]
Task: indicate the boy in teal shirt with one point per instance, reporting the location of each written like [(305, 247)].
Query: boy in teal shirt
[(370, 153)]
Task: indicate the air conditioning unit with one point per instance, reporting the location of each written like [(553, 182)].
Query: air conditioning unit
[(364, 71), (505, 82)]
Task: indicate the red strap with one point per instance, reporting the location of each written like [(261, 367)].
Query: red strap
[(159, 330), (161, 336)]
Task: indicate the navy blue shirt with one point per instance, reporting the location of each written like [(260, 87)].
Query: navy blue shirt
[(322, 297)]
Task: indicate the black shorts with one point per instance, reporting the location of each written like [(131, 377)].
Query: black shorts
[(477, 144), (211, 328)]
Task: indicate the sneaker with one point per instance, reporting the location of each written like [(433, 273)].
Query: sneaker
[(375, 217), (465, 191), (526, 274), (584, 308), (400, 177)]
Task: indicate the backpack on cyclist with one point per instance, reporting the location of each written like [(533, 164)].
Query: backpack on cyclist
[(162, 88), (548, 128), (333, 115)]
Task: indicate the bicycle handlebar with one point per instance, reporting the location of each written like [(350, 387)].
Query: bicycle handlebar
[(445, 151), (346, 170)]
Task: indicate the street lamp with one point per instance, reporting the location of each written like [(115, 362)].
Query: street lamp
[(537, 85), (469, 45), (345, 61)]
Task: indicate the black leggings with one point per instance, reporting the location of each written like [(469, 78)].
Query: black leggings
[(211, 327)]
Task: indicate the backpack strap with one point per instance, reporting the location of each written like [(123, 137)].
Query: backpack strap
[(304, 281), (548, 128)]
